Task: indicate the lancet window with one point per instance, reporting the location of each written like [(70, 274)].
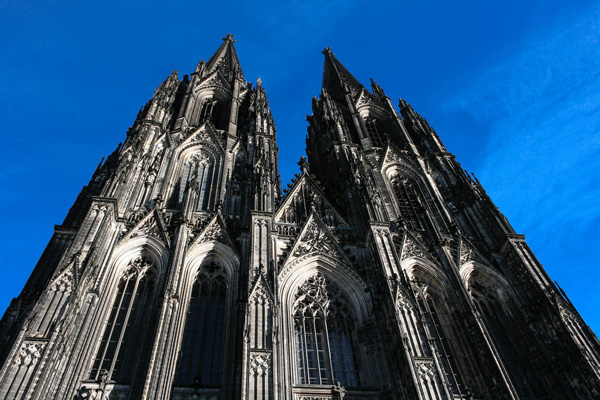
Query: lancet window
[(498, 321), (198, 172), (378, 137), (324, 335), (208, 110), (437, 326), (127, 323), (408, 202), (201, 351)]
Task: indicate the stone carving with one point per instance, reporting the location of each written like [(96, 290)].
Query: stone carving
[(214, 232), (412, 249), (425, 369), (149, 228), (403, 302), (64, 283), (317, 295), (29, 354), (260, 364), (260, 294), (315, 239), (339, 392), (137, 266)]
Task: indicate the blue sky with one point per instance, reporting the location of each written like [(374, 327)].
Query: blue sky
[(512, 87)]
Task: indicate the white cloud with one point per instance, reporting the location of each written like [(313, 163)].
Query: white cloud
[(543, 106)]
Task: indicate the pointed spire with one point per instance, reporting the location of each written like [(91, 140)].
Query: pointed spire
[(225, 59), (335, 75)]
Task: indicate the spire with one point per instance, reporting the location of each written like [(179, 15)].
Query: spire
[(225, 59), (336, 76)]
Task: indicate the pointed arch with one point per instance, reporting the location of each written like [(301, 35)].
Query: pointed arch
[(208, 291), (503, 319), (133, 280), (324, 305), (432, 292), (198, 165)]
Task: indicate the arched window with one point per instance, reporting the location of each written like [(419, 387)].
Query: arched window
[(200, 357), (324, 335), (408, 203), (378, 137), (209, 109), (127, 324), (505, 332), (197, 171), (438, 335)]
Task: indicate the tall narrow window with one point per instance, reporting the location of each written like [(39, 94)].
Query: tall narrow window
[(408, 203), (127, 323), (378, 137), (506, 340), (200, 358), (209, 110), (323, 335), (198, 171), (439, 338)]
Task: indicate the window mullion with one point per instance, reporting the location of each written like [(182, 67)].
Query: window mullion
[(327, 350), (112, 328), (131, 301)]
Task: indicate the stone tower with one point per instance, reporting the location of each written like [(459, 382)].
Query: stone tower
[(383, 272)]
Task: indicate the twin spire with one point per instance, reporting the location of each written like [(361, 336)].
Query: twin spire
[(335, 75)]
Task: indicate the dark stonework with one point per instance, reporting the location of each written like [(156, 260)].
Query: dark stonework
[(383, 272)]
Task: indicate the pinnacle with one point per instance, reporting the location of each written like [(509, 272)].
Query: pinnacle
[(225, 58), (335, 74), (229, 38)]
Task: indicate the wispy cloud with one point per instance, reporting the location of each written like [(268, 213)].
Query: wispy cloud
[(543, 104)]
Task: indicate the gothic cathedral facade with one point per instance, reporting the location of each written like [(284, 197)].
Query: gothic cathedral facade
[(383, 270)]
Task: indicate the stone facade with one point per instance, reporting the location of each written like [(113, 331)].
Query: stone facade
[(383, 272)]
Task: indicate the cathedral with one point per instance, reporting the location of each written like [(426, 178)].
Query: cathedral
[(383, 271)]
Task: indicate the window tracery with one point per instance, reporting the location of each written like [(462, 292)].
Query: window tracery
[(378, 137), (324, 335), (200, 361), (118, 354), (408, 202), (198, 172)]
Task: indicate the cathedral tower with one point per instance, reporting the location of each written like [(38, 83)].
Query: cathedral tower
[(384, 271)]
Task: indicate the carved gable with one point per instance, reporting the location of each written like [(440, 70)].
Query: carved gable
[(411, 246), (205, 134), (150, 225), (214, 80), (304, 198), (316, 238), (215, 231)]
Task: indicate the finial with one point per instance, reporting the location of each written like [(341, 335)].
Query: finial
[(376, 88), (259, 81), (327, 50), (229, 38), (303, 165)]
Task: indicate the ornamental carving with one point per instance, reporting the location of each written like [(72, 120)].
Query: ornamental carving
[(260, 295), (314, 398), (64, 283), (425, 369), (315, 239), (137, 266), (412, 249), (148, 228), (317, 295), (260, 364), (214, 232), (403, 302), (29, 354)]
